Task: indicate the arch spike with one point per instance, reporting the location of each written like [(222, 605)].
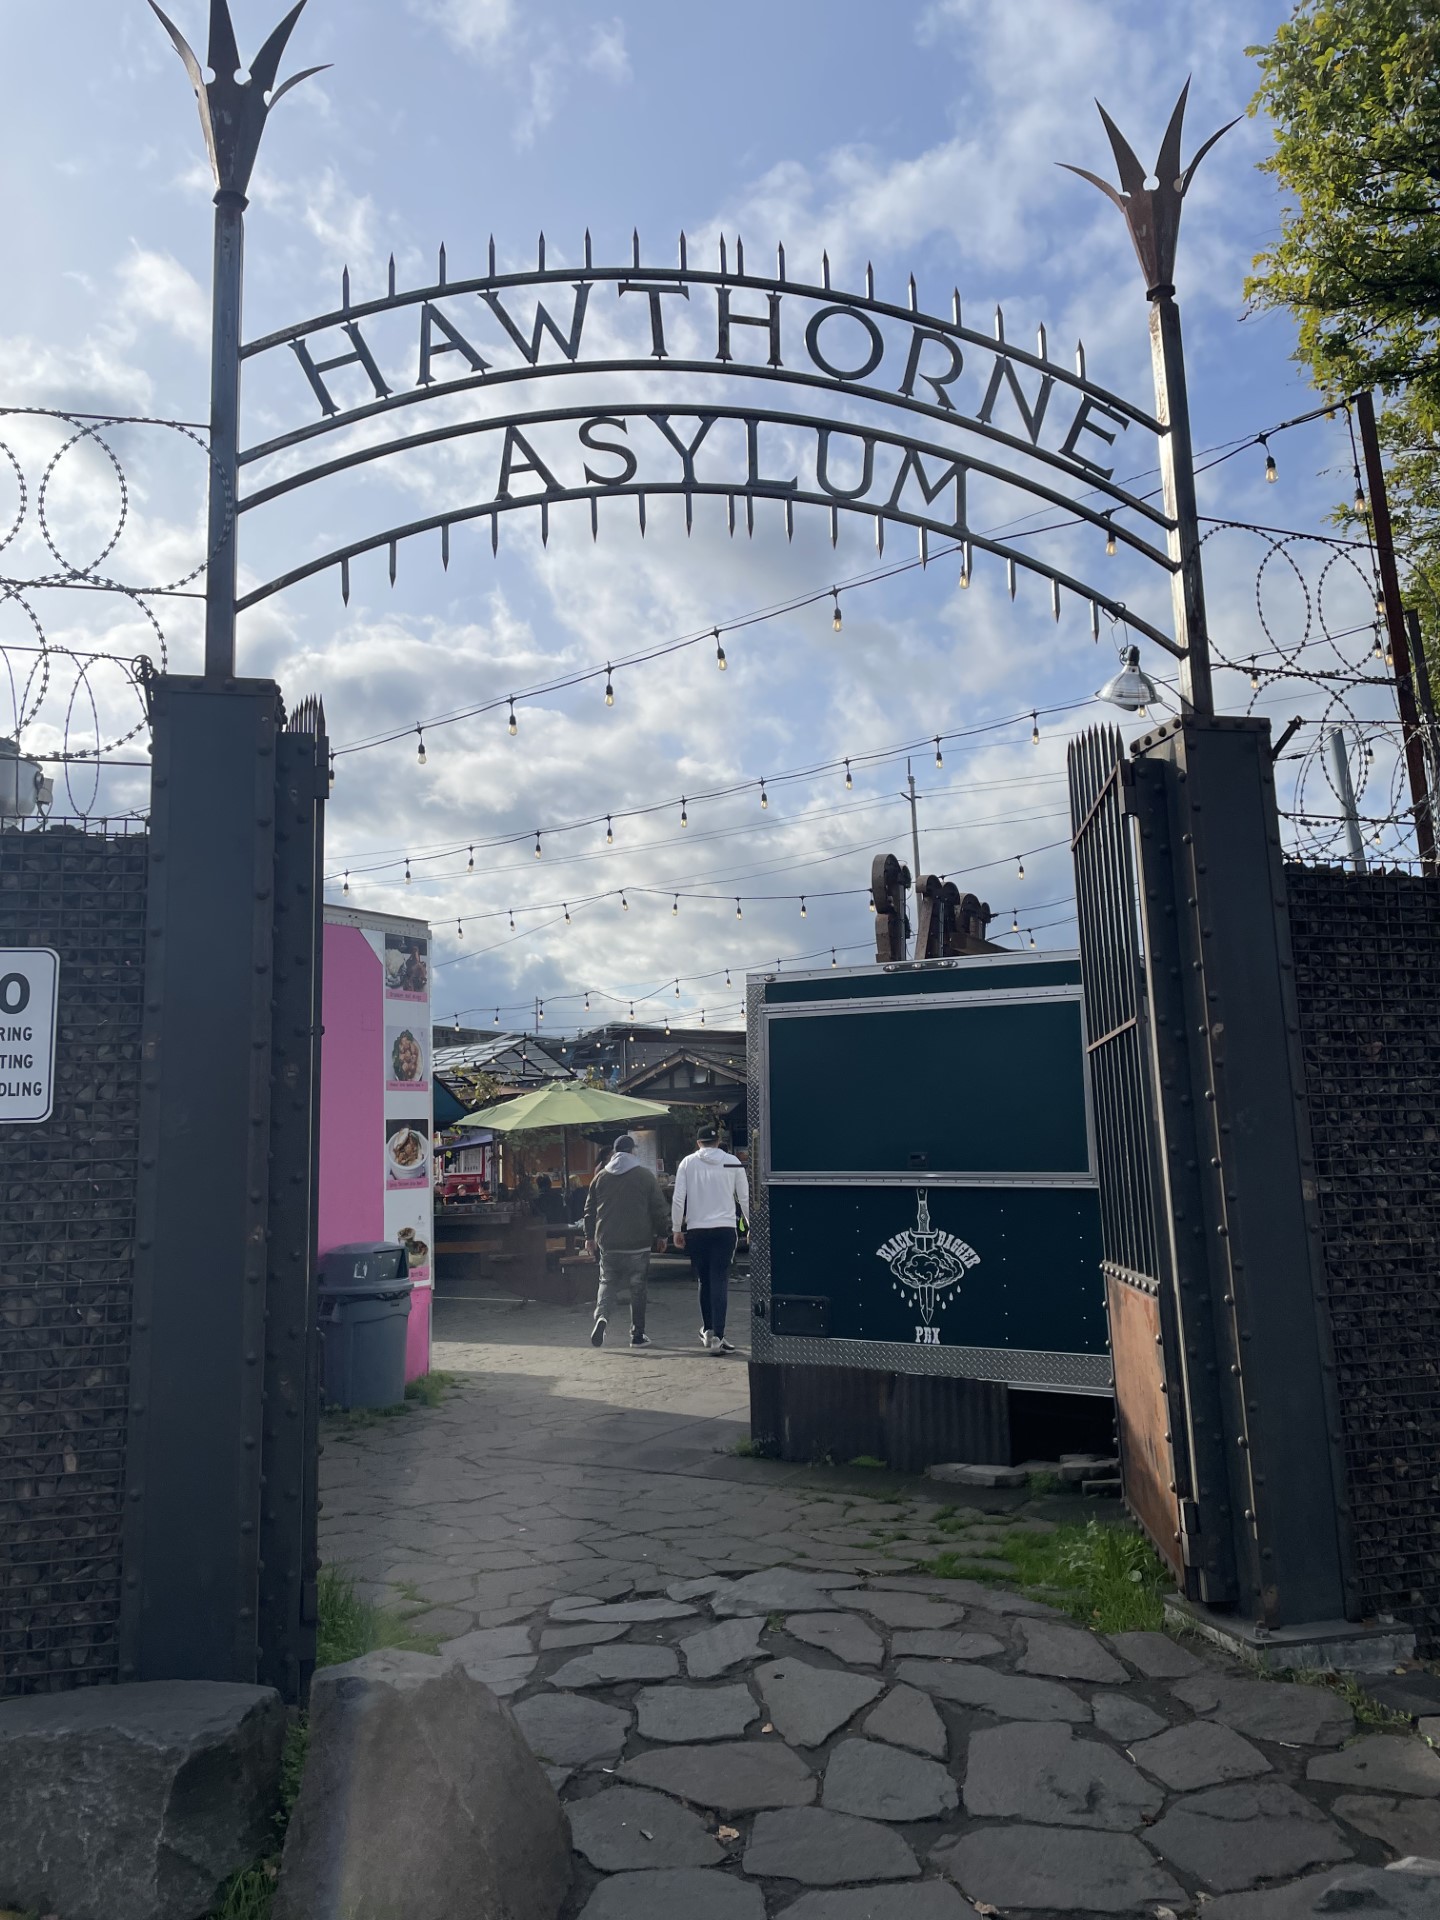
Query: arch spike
[(544, 523), (594, 517), (345, 582), (441, 279), (914, 296), (684, 252), (869, 281), (1042, 348), (1010, 577), (780, 261), (640, 504), (589, 260), (390, 279), (1094, 620), (1055, 600), (394, 560), (540, 254), (491, 256), (635, 248), (924, 547), (834, 525), (880, 534), (955, 305), (750, 516), (689, 513), (730, 513), (825, 271), (739, 256), (445, 545), (724, 266), (789, 519), (495, 533), (345, 290), (999, 322)]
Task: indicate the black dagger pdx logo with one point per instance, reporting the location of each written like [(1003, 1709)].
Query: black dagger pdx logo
[(927, 1264)]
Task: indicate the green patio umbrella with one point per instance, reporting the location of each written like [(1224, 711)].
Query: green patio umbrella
[(563, 1104)]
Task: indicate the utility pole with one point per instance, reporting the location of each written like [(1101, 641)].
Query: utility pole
[(1395, 627), (1346, 795), (1425, 699), (914, 821)]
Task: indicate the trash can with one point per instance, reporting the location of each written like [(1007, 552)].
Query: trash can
[(364, 1292)]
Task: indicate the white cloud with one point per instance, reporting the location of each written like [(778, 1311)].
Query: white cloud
[(608, 54), (472, 25), (154, 287)]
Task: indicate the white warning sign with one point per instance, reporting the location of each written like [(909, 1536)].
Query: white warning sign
[(29, 993)]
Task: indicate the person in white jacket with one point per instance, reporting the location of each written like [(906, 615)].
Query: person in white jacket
[(711, 1193)]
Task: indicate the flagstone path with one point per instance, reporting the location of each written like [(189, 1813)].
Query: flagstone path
[(752, 1706)]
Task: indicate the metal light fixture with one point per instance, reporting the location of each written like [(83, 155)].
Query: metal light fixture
[(1132, 689)]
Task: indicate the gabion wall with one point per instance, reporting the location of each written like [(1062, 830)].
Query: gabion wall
[(67, 1226), (1367, 959)]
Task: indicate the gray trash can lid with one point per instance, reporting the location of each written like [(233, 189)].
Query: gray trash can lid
[(365, 1269)]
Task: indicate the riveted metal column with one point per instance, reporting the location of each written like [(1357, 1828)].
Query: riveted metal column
[(1254, 1336), (191, 1544)]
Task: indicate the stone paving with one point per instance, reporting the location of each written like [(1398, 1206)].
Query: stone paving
[(753, 1706)]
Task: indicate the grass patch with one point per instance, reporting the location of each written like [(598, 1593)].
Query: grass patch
[(1041, 1484), (1108, 1577), (748, 1449), (433, 1389), (248, 1895), (1367, 1710), (350, 1626), (869, 1460)]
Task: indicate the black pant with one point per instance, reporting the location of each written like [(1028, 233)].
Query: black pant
[(711, 1250)]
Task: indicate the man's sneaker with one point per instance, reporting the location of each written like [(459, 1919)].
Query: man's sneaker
[(719, 1344), (597, 1334), (641, 1340), (705, 1338)]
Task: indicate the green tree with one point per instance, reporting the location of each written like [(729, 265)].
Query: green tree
[(1353, 90)]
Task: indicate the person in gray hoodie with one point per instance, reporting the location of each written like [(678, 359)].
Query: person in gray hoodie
[(625, 1218)]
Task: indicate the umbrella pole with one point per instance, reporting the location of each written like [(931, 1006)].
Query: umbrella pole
[(565, 1163)]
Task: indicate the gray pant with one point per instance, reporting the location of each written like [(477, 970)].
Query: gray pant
[(619, 1272)]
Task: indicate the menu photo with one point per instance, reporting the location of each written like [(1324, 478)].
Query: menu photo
[(407, 1063), (407, 1153), (407, 967)]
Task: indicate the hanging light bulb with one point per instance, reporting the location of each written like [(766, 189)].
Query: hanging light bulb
[(833, 961), (727, 976), (719, 652), (587, 1000), (567, 913), (1109, 535), (470, 865), (511, 911), (675, 908), (539, 1013), (667, 1026), (407, 870), (702, 1016), (609, 688), (739, 911), (459, 930), (849, 783), (803, 914), (1271, 471), (939, 757), (1359, 501), (1035, 729), (457, 1023), (1131, 688), (420, 750), (624, 903), (632, 1012), (346, 887), (537, 843), (1020, 863), (1254, 678), (872, 903), (764, 796), (684, 813), (609, 832), (836, 623), (1014, 920), (677, 989), (497, 1016), (514, 726), (1032, 937)]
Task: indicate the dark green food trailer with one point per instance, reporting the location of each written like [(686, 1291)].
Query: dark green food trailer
[(925, 1231)]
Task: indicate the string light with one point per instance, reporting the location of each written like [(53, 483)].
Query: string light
[(609, 687), (849, 783), (667, 1026), (1032, 937), (833, 961), (1020, 863), (1035, 729), (420, 750), (702, 1016), (939, 757), (514, 725), (739, 910), (587, 1000), (346, 887), (677, 989), (624, 903), (567, 913), (1014, 920), (1271, 471), (1109, 535), (764, 796), (512, 919), (719, 652), (1359, 501), (457, 1023), (684, 813), (675, 908), (539, 1013), (459, 931), (609, 832), (836, 623), (1254, 678), (727, 976), (803, 914), (407, 870), (537, 843), (632, 1012), (470, 867)]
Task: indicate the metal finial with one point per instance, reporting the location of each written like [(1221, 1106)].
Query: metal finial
[(540, 254), (724, 269), (914, 296), (825, 271), (780, 261), (345, 290), (1080, 358), (635, 248), (1151, 213), (233, 112), (441, 266), (490, 257), (390, 277), (739, 255), (999, 322), (1042, 349), (869, 281), (684, 249), (955, 304), (588, 261)]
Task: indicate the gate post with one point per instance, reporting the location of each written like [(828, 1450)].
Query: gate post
[(193, 1482), (1236, 1174)]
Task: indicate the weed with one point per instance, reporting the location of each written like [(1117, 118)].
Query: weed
[(432, 1389), (248, 1895), (750, 1449), (1041, 1484), (1107, 1577), (350, 1626), (869, 1460), (1369, 1711), (953, 1566)]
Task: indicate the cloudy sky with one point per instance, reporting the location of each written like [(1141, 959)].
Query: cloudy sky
[(918, 138)]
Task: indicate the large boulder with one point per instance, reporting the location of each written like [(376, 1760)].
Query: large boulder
[(420, 1801), (135, 1802)]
